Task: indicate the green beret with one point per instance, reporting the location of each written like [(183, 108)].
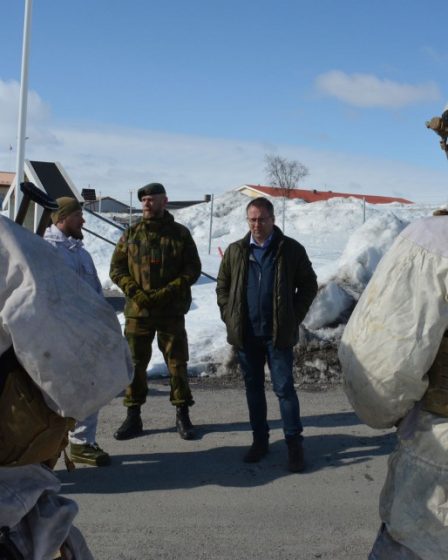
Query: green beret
[(67, 205), (150, 189)]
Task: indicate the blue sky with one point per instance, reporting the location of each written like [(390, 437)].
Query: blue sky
[(195, 93)]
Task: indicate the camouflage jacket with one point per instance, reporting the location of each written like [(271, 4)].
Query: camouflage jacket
[(154, 263)]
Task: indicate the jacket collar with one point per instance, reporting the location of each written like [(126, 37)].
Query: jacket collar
[(55, 235), (277, 238)]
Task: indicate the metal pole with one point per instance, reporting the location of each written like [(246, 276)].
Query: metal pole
[(211, 224), (23, 104), (283, 214), (130, 207)]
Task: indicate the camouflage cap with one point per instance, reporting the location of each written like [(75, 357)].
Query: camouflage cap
[(150, 189), (67, 205)]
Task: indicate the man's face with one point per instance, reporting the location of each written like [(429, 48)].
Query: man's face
[(261, 223), (154, 205), (71, 226)]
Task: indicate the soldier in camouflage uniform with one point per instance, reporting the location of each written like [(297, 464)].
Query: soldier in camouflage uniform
[(155, 263)]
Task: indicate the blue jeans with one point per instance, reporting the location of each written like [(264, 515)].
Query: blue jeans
[(257, 350)]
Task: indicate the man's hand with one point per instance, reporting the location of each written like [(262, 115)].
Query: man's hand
[(173, 290), (159, 298), (142, 299)]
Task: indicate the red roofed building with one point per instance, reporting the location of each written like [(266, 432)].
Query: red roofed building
[(6, 178), (315, 195)]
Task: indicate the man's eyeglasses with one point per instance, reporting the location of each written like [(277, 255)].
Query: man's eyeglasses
[(261, 221)]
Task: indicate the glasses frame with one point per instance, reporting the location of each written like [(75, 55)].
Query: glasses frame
[(261, 221)]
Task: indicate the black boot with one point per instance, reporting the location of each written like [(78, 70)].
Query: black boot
[(132, 426), (183, 423), (296, 458), (258, 449)]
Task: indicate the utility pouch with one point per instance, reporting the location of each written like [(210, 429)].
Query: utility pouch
[(30, 432), (435, 399)]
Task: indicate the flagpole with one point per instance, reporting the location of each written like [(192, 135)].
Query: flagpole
[(23, 104)]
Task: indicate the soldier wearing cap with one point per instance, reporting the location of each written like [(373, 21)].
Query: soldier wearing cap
[(155, 263), (65, 234)]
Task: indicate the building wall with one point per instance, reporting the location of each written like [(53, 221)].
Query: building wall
[(250, 192)]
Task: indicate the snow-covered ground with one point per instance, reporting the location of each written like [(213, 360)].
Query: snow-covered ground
[(344, 241)]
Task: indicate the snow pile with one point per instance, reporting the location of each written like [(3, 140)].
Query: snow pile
[(316, 361), (100, 249), (366, 247), (364, 250)]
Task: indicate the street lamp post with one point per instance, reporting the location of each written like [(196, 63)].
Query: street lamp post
[(23, 104), (211, 226)]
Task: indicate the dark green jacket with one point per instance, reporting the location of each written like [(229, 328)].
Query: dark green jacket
[(157, 261), (295, 287)]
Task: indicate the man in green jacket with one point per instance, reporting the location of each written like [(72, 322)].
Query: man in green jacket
[(265, 287), (154, 263)]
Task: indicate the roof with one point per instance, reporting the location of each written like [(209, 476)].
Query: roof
[(6, 178), (49, 177), (108, 204), (52, 178), (316, 196)]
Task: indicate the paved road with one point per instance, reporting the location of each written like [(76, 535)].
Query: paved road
[(165, 498)]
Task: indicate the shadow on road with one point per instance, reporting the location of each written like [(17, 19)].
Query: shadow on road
[(333, 420), (220, 466), (340, 450)]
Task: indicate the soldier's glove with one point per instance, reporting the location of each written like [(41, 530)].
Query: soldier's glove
[(142, 299), (172, 291), (163, 296)]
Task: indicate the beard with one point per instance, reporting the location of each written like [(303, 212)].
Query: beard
[(153, 214), (77, 235)]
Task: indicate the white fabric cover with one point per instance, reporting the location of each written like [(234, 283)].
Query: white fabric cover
[(387, 347), (40, 520), (396, 328), (414, 499), (65, 335)]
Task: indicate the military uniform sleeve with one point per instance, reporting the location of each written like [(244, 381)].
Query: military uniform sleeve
[(119, 268), (306, 285), (192, 263), (223, 284)]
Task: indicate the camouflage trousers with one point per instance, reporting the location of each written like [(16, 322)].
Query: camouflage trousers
[(172, 342)]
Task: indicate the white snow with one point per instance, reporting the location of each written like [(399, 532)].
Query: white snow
[(343, 248)]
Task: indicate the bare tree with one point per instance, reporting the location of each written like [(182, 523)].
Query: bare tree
[(284, 174)]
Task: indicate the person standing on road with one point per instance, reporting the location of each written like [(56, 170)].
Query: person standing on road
[(66, 235), (394, 358), (155, 263), (265, 287)]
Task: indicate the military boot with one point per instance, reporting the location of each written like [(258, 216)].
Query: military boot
[(132, 426), (183, 423), (258, 449), (296, 458), (89, 453)]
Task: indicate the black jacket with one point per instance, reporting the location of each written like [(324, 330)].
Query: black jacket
[(295, 287)]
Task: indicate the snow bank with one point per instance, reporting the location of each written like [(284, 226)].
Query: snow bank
[(366, 246)]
